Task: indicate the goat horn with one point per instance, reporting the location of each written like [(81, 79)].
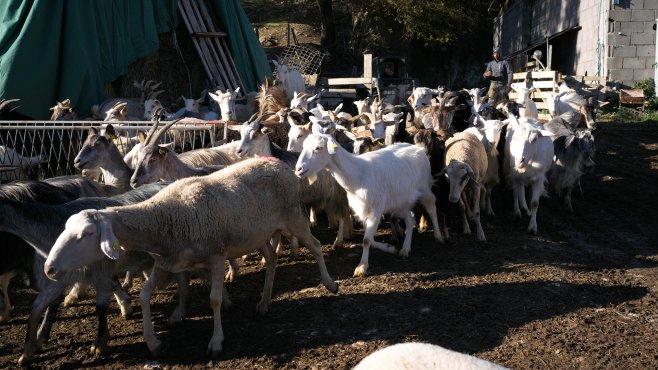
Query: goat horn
[(154, 127), (162, 131), (5, 103)]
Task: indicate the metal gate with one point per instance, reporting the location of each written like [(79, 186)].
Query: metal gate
[(41, 149)]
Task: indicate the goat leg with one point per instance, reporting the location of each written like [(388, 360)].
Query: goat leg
[(52, 291), (183, 281), (270, 267)]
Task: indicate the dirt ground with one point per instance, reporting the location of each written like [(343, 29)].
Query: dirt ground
[(581, 294)]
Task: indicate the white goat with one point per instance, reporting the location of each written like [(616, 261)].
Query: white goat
[(567, 100), (422, 356), (290, 79), (466, 159), (371, 190), (529, 107), (226, 102), (195, 223), (304, 100), (528, 157)]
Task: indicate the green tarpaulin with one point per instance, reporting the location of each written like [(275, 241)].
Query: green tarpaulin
[(52, 50)]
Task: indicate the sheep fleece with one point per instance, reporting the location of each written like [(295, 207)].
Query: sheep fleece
[(210, 207)]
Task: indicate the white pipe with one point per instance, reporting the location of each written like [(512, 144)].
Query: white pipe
[(655, 65)]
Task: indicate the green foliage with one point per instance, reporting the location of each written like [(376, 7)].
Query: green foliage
[(433, 22), (623, 114), (648, 86)]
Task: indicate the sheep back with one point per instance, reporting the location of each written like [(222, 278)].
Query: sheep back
[(467, 148), (221, 206)]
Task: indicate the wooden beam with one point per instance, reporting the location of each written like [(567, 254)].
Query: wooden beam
[(349, 81), (209, 34)]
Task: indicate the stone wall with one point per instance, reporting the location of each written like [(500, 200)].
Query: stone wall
[(631, 40)]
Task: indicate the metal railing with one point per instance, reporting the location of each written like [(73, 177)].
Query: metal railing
[(43, 149)]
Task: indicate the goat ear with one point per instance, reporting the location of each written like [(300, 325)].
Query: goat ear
[(110, 245), (332, 145), (235, 127), (92, 131), (266, 130), (442, 172), (213, 96), (110, 133), (141, 137)]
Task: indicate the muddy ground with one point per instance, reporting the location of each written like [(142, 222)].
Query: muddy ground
[(581, 294)]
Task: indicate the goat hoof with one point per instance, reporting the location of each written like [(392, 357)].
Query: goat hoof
[(360, 270), (333, 287), (97, 349), (262, 308), (337, 244), (25, 360), (404, 253), (215, 355), (4, 316), (158, 351)]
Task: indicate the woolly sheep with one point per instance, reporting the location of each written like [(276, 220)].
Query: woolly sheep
[(466, 159), (371, 190), (195, 223), (422, 356)]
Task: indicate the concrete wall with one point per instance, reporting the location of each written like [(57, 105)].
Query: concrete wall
[(631, 40)]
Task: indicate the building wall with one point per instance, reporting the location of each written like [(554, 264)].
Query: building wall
[(631, 38), (527, 23)]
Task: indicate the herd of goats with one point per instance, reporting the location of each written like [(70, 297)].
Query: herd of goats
[(161, 213)]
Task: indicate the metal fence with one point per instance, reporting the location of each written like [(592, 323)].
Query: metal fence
[(42, 149)]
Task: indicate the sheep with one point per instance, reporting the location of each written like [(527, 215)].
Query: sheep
[(466, 159), (371, 190), (528, 157), (11, 158), (195, 223), (574, 152), (16, 255), (49, 220), (488, 132), (422, 356), (98, 151), (325, 193)]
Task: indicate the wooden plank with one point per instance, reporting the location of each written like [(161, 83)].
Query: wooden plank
[(536, 75), (218, 75), (183, 12), (224, 51), (349, 81), (209, 34)]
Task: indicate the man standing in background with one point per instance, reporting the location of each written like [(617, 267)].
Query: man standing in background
[(499, 73)]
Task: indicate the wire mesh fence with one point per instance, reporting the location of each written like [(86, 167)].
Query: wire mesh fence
[(41, 149), (308, 60)]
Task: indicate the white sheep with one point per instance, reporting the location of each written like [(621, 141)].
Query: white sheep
[(466, 165), (422, 356), (488, 132), (195, 223), (528, 157), (371, 190)]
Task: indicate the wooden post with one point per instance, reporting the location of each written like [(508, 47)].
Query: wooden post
[(367, 69)]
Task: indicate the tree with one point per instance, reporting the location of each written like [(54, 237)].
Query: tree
[(328, 29)]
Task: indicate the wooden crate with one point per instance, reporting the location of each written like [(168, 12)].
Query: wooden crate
[(630, 97), (543, 82)]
